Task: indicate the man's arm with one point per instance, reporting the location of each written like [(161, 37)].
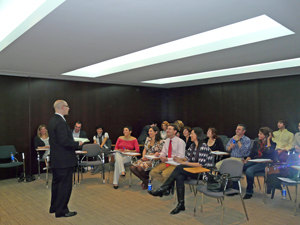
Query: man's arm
[(63, 139), (245, 147), (290, 142)]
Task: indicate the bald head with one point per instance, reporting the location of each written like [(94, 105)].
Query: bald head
[(61, 106)]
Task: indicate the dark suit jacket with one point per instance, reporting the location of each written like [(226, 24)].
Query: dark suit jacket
[(144, 134), (62, 143), (82, 134)]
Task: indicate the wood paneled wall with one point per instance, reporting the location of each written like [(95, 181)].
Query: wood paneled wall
[(255, 103), (25, 103)]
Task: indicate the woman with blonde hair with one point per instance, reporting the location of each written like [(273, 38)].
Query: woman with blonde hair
[(42, 139), (163, 132)]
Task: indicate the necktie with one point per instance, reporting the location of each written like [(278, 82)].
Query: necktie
[(169, 151)]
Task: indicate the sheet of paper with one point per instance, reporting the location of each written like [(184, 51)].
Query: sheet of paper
[(151, 157), (259, 160), (80, 152), (219, 153), (288, 180), (82, 139), (171, 162)]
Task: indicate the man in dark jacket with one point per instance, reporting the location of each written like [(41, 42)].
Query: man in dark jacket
[(63, 160)]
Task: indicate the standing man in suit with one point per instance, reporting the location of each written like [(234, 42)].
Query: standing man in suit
[(77, 132), (63, 160)]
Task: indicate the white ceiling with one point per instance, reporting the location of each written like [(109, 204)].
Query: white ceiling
[(80, 33)]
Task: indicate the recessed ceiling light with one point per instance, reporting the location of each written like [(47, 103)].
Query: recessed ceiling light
[(228, 72), (17, 16), (245, 32)]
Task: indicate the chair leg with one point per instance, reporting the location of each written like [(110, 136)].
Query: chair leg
[(130, 176), (190, 187), (195, 203), (202, 196), (222, 206), (193, 187), (244, 207), (273, 192), (175, 194), (103, 174), (288, 191), (258, 183)]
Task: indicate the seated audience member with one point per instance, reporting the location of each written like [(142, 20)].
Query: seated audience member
[(297, 140), (180, 125), (100, 138), (144, 133), (198, 155), (284, 140), (163, 132), (173, 146), (186, 137), (42, 140), (213, 141), (263, 149), (238, 146), (125, 143), (153, 144), (77, 132)]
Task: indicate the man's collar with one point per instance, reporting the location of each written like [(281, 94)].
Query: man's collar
[(60, 115)]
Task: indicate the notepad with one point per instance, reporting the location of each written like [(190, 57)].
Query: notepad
[(82, 139)]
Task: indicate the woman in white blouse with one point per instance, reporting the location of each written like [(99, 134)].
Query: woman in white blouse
[(163, 132), (101, 137)]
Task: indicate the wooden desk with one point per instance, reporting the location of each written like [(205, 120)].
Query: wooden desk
[(196, 169)]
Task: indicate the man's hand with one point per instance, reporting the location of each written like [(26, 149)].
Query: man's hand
[(279, 151), (163, 159), (80, 143), (235, 137), (157, 154), (297, 149)]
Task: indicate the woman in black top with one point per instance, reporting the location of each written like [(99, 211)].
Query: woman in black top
[(186, 137), (213, 141), (263, 149)]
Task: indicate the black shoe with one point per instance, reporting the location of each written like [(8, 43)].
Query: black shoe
[(123, 175), (116, 187), (167, 192), (179, 207), (230, 195), (51, 211), (165, 187), (69, 214), (180, 196), (247, 196)]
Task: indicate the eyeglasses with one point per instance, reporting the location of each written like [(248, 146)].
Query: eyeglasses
[(66, 106)]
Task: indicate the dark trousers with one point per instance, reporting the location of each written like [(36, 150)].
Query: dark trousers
[(61, 190), (250, 168), (181, 175)]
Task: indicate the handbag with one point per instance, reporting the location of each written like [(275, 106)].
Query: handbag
[(218, 182)]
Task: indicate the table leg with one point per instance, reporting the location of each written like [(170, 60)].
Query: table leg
[(295, 205)]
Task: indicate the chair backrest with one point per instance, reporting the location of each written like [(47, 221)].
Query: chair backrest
[(223, 137), (92, 150), (6, 150), (108, 143), (226, 140), (232, 167)]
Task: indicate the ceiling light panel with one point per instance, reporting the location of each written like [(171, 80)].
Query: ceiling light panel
[(253, 30), (18, 16), (283, 64)]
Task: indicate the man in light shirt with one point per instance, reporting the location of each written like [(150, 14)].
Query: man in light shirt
[(174, 146), (77, 132), (284, 140), (297, 140)]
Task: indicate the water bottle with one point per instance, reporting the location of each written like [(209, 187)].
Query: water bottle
[(12, 157), (283, 192), (149, 186)]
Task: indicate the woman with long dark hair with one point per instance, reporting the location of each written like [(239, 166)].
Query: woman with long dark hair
[(153, 144), (198, 155), (264, 149)]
